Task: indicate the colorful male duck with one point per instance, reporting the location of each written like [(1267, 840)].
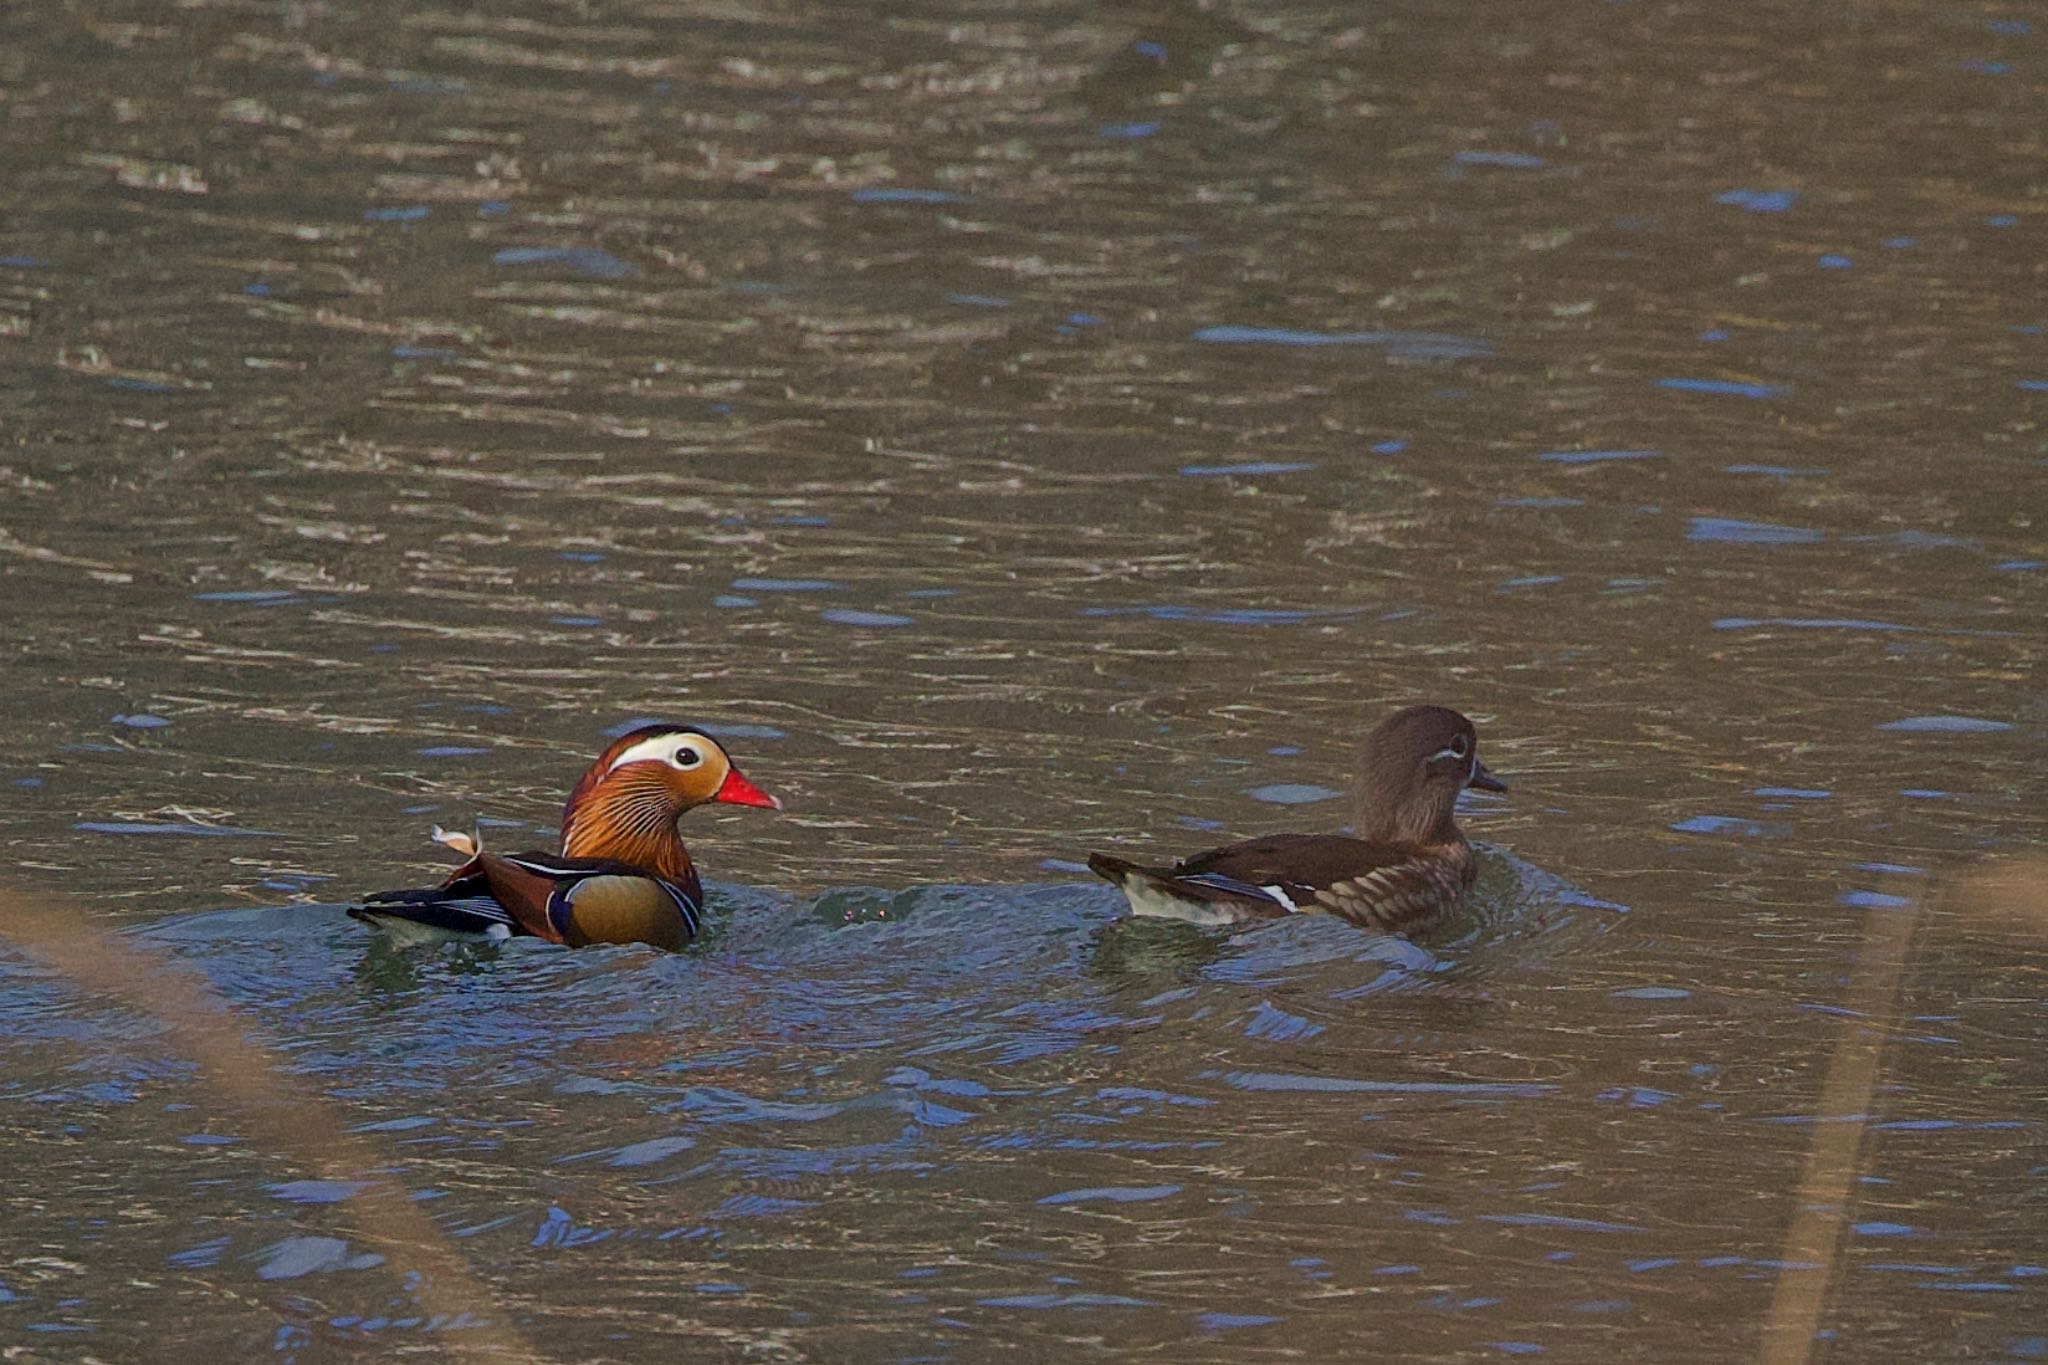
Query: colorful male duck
[(623, 875), (1407, 866)]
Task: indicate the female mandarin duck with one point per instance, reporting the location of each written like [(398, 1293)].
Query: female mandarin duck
[(623, 875), (1408, 865)]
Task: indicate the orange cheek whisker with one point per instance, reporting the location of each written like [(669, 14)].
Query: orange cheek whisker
[(630, 821)]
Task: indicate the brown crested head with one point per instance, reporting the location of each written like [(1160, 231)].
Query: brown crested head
[(1410, 771), (627, 804)]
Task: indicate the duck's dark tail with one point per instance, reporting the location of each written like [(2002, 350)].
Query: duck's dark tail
[(437, 914), (1112, 869), (1204, 898)]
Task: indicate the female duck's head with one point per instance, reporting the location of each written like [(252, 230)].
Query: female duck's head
[(1410, 771)]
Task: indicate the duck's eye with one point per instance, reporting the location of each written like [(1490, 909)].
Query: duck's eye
[(1460, 747), (687, 756)]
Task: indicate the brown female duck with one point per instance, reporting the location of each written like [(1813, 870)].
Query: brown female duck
[(1407, 865), (623, 875)]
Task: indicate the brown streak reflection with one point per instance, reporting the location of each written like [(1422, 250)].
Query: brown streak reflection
[(2002, 895), (281, 1111), (1831, 1167)]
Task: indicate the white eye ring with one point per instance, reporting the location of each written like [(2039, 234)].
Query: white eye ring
[(686, 756), (1460, 746)]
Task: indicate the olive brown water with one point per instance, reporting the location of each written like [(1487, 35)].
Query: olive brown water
[(1022, 430)]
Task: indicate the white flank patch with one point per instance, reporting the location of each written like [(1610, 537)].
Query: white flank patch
[(1281, 896)]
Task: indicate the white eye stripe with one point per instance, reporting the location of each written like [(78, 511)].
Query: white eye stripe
[(1460, 749), (661, 749)]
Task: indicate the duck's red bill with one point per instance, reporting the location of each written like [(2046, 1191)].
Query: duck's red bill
[(737, 791)]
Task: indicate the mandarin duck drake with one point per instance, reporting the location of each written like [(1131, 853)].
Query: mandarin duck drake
[(1406, 865), (623, 875)]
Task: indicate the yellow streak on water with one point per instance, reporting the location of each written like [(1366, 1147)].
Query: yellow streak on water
[(1823, 1207), (282, 1112)]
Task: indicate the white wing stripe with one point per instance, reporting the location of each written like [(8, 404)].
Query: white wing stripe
[(483, 907), (684, 904)]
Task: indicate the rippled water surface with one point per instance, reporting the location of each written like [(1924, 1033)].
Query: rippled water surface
[(1022, 430)]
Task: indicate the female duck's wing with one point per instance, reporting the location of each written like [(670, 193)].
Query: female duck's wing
[(1310, 861), (1371, 884), (1256, 879), (575, 901), (1380, 886)]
